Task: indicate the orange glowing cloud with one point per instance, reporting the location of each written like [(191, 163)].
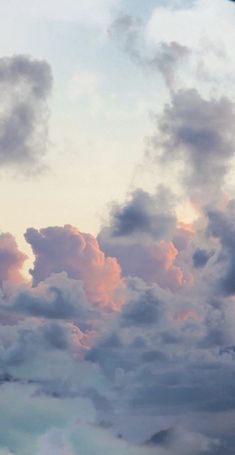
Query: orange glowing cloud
[(167, 274)]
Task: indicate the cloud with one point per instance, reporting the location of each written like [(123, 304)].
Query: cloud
[(139, 235), (87, 439), (144, 214), (153, 262), (156, 376), (183, 441), (208, 39), (221, 226), (142, 311), (54, 443), (166, 19), (47, 355), (165, 57), (183, 236), (197, 133), (186, 56), (201, 257), (11, 260), (32, 419), (162, 356), (25, 87), (66, 249), (58, 297)]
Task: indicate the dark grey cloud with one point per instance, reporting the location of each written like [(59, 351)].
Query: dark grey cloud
[(161, 438), (56, 335), (198, 134), (222, 226), (146, 309), (22, 347), (7, 378), (55, 303), (144, 214), (201, 257), (58, 301), (25, 87), (56, 307), (143, 373), (30, 342)]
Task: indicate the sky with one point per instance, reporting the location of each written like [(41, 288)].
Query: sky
[(117, 234)]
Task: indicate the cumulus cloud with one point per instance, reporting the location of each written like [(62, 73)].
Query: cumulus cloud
[(57, 298), (152, 262), (36, 340), (25, 87), (11, 260), (164, 355), (59, 249), (139, 235)]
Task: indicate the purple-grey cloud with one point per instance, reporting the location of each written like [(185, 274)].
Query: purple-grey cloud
[(25, 87)]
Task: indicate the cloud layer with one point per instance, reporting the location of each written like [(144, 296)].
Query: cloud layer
[(125, 342)]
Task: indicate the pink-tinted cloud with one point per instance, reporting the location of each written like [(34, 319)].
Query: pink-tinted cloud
[(11, 260), (183, 235), (153, 262), (165, 273), (59, 249)]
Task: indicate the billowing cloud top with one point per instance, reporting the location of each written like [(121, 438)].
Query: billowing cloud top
[(68, 250)]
